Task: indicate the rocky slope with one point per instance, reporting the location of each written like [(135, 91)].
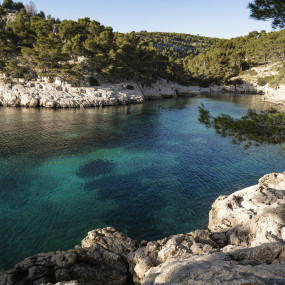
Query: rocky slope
[(244, 244), (273, 94)]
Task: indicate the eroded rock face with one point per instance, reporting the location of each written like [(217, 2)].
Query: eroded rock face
[(59, 94), (111, 240), (262, 265), (87, 266), (153, 253), (274, 95), (252, 216)]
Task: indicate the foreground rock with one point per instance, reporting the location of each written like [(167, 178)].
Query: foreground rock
[(94, 265), (248, 266), (245, 244), (252, 216)]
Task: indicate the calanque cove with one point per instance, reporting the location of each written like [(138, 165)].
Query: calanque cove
[(50, 66)]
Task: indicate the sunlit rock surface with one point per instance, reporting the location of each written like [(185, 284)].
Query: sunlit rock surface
[(62, 95), (252, 216)]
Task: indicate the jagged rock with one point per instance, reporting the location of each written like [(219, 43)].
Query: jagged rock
[(111, 240), (94, 266), (58, 94), (254, 215), (153, 253), (222, 268)]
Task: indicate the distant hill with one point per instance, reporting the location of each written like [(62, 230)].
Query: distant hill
[(177, 45)]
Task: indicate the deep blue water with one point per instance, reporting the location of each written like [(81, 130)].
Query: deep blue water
[(150, 170)]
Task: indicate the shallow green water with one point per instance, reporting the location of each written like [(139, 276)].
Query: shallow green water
[(150, 170)]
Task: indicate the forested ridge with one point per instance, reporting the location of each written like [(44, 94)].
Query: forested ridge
[(33, 44)]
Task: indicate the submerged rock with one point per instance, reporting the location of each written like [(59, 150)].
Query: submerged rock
[(245, 244)]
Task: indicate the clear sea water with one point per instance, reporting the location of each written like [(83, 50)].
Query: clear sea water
[(149, 170)]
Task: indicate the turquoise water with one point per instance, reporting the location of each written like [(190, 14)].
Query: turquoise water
[(150, 170)]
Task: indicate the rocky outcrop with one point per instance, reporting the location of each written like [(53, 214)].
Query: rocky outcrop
[(154, 253), (274, 95), (52, 95), (111, 240), (9, 16), (252, 76), (252, 216), (261, 265), (243, 88), (95, 266), (59, 94), (245, 244)]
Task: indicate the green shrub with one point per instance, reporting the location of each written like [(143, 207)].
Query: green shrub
[(250, 72), (7, 80), (262, 81), (255, 127), (2, 12)]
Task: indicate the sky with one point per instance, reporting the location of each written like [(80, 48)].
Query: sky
[(213, 18)]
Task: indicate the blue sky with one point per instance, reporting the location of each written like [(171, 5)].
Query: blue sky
[(215, 18)]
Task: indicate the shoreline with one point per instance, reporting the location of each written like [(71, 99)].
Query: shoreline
[(61, 95), (245, 240)]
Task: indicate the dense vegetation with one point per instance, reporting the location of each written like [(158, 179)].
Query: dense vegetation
[(177, 45), (264, 127), (35, 45), (228, 58), (38, 45)]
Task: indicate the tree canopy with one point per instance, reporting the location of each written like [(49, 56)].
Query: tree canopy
[(273, 10), (9, 4), (253, 128)]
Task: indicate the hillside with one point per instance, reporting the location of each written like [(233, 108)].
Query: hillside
[(85, 52), (177, 45)]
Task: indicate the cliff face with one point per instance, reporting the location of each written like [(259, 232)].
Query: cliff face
[(245, 244)]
